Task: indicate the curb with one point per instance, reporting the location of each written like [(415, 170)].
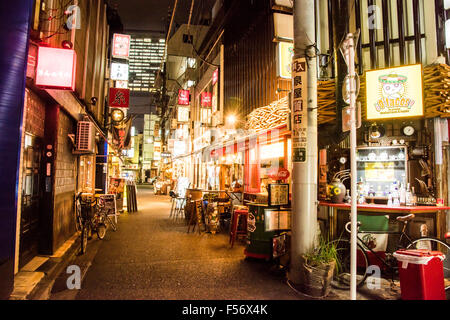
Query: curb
[(52, 268)]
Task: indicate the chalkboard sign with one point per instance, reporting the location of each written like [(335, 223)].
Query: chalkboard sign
[(108, 203)]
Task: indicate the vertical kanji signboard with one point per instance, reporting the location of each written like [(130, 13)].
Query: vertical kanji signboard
[(299, 110)]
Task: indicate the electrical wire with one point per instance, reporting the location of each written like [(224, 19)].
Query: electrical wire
[(197, 35), (167, 37)]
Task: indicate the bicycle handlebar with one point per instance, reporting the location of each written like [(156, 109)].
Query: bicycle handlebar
[(347, 226)]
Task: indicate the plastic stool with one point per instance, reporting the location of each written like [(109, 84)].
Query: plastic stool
[(235, 223)]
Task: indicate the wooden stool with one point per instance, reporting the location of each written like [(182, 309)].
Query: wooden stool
[(235, 225)]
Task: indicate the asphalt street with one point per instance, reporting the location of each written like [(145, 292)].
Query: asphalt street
[(153, 257)]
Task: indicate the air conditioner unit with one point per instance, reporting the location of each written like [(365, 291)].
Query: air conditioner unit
[(85, 139)]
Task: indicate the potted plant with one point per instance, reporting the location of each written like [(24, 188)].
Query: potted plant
[(318, 269)]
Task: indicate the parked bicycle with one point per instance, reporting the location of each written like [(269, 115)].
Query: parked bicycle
[(89, 219), (341, 278)]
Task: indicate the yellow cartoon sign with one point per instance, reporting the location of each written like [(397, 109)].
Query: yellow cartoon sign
[(394, 93)]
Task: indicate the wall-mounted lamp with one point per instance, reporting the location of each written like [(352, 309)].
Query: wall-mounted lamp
[(117, 115)]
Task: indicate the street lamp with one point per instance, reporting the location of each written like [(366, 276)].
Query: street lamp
[(231, 119)]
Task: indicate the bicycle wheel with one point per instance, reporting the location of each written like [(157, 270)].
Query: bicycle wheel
[(341, 277), (101, 231), (433, 244), (84, 237)]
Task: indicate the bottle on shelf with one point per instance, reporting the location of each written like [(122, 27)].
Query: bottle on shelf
[(390, 203), (402, 195), (408, 196), (348, 198), (414, 197)]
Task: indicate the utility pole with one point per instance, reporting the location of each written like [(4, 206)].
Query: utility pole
[(348, 51), (304, 138)]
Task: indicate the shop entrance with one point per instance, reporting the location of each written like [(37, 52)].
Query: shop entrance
[(31, 199)]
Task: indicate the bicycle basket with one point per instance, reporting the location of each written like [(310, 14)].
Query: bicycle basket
[(87, 211)]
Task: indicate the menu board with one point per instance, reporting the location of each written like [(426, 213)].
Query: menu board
[(278, 194)]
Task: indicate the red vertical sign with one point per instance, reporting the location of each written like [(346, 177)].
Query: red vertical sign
[(206, 99), (183, 97), (215, 77)]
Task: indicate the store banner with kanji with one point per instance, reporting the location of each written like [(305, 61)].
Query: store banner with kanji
[(206, 99), (119, 98), (122, 134)]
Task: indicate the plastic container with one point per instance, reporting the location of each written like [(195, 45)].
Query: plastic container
[(421, 274)]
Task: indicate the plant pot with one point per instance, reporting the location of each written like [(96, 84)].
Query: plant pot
[(317, 279)]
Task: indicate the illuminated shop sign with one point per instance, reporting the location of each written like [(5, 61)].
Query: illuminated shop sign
[(183, 114), (179, 148), (121, 45), (119, 98), (395, 93), (285, 55), (183, 97), (119, 71), (56, 68), (206, 99)]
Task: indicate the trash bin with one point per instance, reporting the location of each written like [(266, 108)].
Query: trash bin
[(421, 274)]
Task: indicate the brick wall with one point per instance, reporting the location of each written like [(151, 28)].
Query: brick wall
[(65, 183), (34, 114)]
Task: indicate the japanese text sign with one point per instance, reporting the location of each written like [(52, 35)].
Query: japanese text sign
[(183, 97), (299, 110), (56, 68), (121, 45), (215, 77), (206, 99), (119, 98)]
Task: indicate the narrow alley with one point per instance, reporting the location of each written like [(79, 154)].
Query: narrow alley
[(153, 257)]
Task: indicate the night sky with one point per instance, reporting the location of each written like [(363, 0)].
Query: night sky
[(153, 14)]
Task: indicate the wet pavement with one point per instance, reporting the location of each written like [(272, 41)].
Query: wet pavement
[(153, 257)]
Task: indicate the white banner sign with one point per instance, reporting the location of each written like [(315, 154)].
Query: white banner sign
[(299, 110)]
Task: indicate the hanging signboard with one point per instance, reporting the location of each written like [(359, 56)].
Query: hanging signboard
[(183, 97), (206, 99), (56, 68), (119, 98), (119, 71), (285, 54), (122, 134), (121, 45), (395, 93), (183, 114), (299, 110), (215, 77)]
